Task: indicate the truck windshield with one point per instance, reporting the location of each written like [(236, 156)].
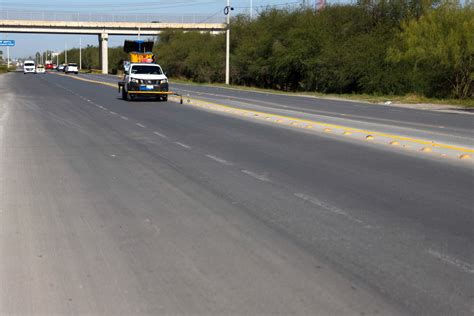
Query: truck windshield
[(29, 64), (148, 70)]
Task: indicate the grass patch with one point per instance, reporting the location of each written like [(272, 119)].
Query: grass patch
[(396, 99), (3, 69)]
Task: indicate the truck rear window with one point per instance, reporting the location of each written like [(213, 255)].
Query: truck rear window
[(146, 70)]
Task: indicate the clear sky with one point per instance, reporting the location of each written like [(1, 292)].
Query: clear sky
[(29, 44)]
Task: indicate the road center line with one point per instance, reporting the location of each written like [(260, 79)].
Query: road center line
[(255, 175), (183, 145), (113, 113), (141, 125), (219, 160), (124, 118), (326, 206), (464, 266)]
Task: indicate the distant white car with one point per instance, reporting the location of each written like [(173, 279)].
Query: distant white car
[(71, 68), (40, 69), (29, 67)]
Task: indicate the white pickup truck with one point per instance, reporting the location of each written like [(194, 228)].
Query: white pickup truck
[(143, 79)]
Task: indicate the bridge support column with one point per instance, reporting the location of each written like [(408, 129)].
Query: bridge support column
[(103, 52)]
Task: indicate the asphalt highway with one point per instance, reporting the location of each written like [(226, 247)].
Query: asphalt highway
[(111, 207)]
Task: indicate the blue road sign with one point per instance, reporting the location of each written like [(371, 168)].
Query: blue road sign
[(7, 43)]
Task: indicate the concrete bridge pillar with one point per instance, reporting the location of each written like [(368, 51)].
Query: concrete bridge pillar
[(103, 52)]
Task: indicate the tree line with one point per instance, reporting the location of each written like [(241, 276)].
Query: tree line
[(371, 46), (374, 47)]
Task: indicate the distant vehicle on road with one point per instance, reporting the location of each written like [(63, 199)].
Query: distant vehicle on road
[(71, 68), (60, 67), (40, 69), (29, 67), (49, 66)]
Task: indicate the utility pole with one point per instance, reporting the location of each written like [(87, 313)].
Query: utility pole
[(65, 53), (227, 10), (80, 52), (251, 9), (8, 55)]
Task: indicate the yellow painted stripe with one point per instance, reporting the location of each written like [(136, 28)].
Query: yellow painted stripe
[(93, 81), (351, 129), (149, 92), (346, 128)]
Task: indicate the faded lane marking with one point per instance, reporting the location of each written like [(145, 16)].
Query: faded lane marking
[(256, 175), (124, 118), (141, 125), (327, 207), (219, 160), (464, 266), (183, 145), (161, 135)]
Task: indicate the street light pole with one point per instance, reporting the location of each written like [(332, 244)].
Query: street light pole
[(65, 53), (251, 9), (80, 52), (227, 49)]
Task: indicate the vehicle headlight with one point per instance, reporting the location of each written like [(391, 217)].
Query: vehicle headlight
[(164, 81), (134, 80)]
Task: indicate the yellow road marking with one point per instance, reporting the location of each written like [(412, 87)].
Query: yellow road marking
[(89, 80), (351, 129), (322, 124)]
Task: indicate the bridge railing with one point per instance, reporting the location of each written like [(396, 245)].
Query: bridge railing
[(105, 17)]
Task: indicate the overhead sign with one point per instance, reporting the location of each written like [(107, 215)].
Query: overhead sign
[(7, 43)]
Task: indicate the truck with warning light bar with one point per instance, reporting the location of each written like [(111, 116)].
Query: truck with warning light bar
[(142, 76)]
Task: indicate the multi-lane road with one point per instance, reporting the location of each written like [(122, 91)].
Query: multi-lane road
[(111, 207)]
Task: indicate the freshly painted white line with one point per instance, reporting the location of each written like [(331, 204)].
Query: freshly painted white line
[(327, 206), (161, 135), (219, 160), (183, 145), (464, 266), (256, 175), (124, 118), (141, 125)]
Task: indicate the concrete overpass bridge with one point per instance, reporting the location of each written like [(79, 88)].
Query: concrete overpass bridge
[(102, 29)]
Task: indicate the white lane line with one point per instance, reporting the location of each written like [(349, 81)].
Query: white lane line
[(141, 125), (183, 145), (464, 266), (161, 135), (255, 175), (124, 118), (112, 112), (219, 160), (327, 206)]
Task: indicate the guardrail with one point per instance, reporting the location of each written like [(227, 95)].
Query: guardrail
[(104, 17)]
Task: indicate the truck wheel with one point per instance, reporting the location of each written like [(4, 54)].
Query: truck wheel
[(124, 94), (130, 97), (164, 98)]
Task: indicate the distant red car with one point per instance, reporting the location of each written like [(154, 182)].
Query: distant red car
[(49, 66)]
